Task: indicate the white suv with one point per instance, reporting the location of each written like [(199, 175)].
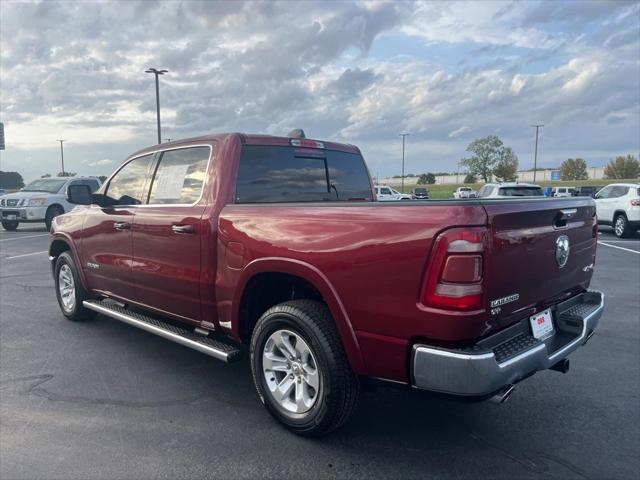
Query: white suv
[(40, 201), (618, 205)]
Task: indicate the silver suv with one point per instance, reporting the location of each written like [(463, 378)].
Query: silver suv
[(40, 201)]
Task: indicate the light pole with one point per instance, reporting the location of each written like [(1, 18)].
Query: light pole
[(157, 72), (403, 135), (62, 154), (535, 155)]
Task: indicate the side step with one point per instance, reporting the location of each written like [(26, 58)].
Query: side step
[(209, 346)]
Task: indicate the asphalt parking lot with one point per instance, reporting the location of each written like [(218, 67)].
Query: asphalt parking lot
[(104, 400)]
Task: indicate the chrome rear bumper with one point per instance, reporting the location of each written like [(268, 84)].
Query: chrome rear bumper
[(512, 356)]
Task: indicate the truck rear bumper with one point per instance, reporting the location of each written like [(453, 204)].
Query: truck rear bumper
[(508, 356)]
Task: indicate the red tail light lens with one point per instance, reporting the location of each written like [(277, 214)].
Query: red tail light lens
[(635, 202), (455, 273)]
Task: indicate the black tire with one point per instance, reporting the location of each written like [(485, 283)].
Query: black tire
[(52, 212), (77, 312), (10, 225), (339, 390), (621, 226)]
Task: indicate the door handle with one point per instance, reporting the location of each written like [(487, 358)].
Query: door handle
[(121, 225), (183, 228)]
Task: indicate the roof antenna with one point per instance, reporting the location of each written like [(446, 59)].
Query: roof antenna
[(296, 133)]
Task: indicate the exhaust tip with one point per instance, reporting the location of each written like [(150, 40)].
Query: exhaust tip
[(562, 366), (503, 395)]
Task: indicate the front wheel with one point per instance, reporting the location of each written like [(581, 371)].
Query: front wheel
[(621, 226), (69, 289), (10, 225), (300, 368), (52, 212)]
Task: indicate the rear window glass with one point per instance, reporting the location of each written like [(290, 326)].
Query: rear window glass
[(520, 192), (270, 174)]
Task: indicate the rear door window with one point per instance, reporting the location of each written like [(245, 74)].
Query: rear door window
[(270, 174), (179, 177)]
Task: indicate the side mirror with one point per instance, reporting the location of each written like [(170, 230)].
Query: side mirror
[(79, 194)]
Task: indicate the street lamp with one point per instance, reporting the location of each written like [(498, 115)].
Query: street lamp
[(535, 155), (157, 72), (62, 154), (403, 135)]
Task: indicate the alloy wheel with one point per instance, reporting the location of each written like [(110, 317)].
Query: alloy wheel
[(291, 371)]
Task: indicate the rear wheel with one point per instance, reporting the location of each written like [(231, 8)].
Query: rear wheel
[(69, 289), (300, 368), (621, 226), (10, 225), (52, 212)]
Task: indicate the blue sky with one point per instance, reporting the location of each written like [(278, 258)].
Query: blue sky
[(359, 72)]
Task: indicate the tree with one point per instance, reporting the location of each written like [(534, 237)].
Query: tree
[(623, 167), (102, 178), (486, 152), (46, 175), (11, 180), (66, 174), (574, 169), (470, 178), (506, 170), (422, 179)]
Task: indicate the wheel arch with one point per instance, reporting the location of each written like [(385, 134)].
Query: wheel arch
[(303, 275), (61, 243), (619, 212), (55, 204)]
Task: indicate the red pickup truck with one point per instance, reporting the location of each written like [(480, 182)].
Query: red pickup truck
[(276, 246)]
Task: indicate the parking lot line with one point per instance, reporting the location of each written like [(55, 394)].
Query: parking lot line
[(26, 236), (619, 248), (27, 255)]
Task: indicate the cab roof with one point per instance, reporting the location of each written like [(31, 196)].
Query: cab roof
[(246, 139)]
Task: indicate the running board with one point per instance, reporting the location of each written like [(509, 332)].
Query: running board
[(209, 346)]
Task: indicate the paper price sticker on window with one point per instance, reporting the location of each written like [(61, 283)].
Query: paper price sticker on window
[(169, 182)]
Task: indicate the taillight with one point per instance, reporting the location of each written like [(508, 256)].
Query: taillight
[(635, 202), (455, 273)]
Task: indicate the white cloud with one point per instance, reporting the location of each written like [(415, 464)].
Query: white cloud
[(357, 72)]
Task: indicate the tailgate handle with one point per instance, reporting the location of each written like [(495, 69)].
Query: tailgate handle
[(560, 220)]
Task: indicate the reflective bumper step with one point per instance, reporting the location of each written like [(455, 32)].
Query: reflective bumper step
[(213, 347)]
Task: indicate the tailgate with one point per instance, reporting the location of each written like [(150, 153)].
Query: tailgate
[(525, 270)]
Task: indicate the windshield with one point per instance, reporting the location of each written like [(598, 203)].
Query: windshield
[(521, 192), (420, 190), (465, 189), (48, 185), (270, 174)]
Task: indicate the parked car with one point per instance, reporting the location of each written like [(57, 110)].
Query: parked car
[(464, 192), (420, 193), (618, 205), (563, 192), (278, 244), (587, 191), (511, 189), (2, 192), (384, 193), (40, 201)]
